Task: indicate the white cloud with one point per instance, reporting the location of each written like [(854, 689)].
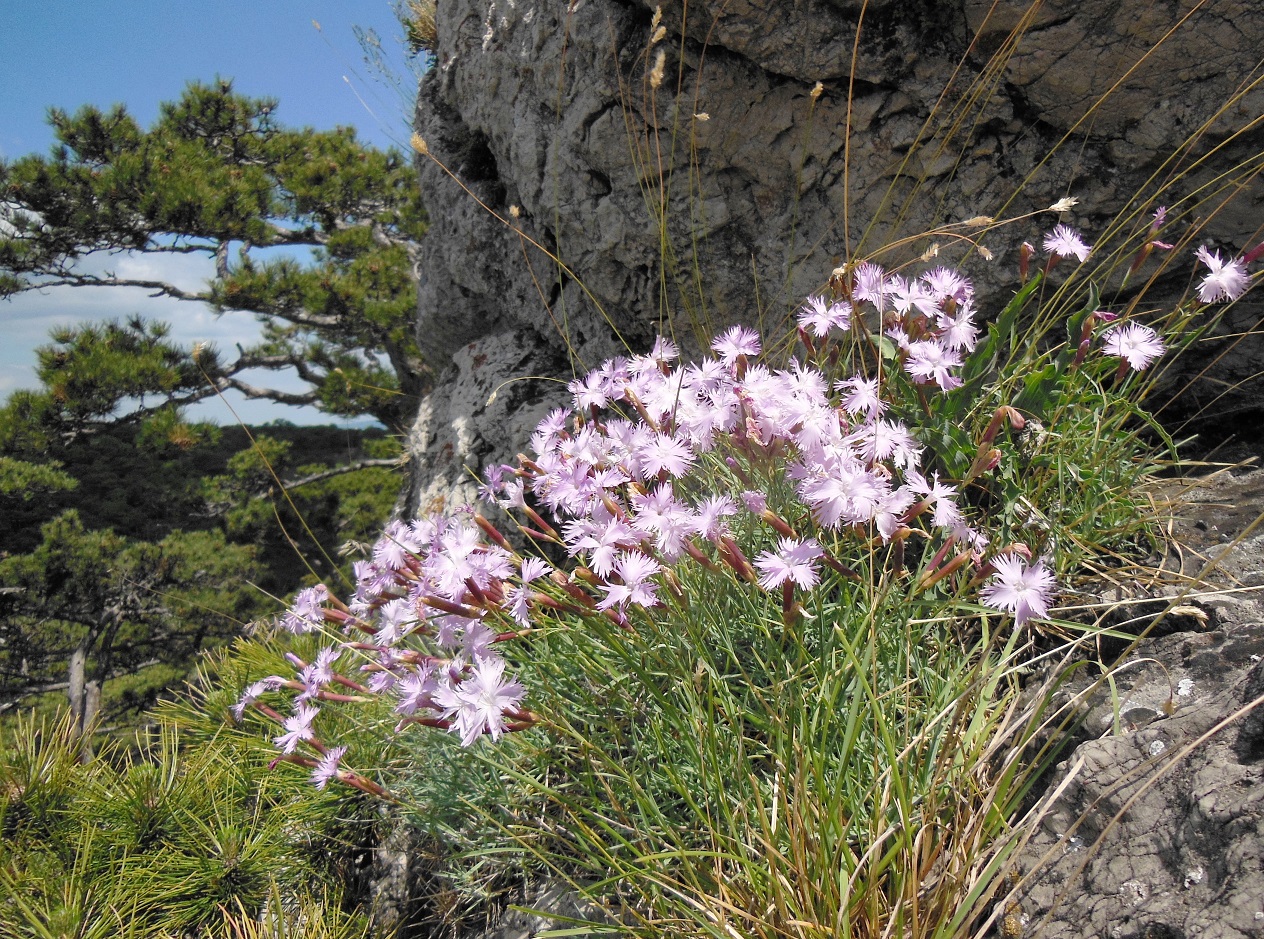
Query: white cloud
[(19, 376), (25, 321), (189, 272)]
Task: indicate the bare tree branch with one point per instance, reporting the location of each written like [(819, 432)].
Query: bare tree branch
[(30, 691), (221, 260), (271, 394), (160, 287), (301, 366)]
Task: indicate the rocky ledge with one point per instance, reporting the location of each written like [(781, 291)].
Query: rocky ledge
[(1151, 826)]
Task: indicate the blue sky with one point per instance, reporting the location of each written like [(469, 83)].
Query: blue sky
[(67, 53)]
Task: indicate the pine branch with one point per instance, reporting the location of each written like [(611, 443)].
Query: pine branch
[(221, 260), (160, 288), (281, 188), (271, 394), (302, 367), (287, 485), (215, 384)]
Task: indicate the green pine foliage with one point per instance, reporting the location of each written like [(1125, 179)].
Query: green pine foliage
[(126, 538), (150, 560), (136, 540), (311, 231), (301, 514), (167, 840), (22, 480), (127, 606)]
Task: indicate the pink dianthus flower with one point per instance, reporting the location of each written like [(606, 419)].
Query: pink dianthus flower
[(819, 317), (1136, 344), (794, 560), (1227, 280), (327, 766), (635, 570), (478, 704), (1065, 242), (929, 361), (736, 341), (1024, 591)]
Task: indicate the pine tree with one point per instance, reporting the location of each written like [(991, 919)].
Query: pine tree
[(109, 606), (311, 231)]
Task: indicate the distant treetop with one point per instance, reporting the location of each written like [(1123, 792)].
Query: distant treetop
[(311, 231)]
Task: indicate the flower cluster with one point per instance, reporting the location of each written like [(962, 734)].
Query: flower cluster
[(418, 622), (658, 465)]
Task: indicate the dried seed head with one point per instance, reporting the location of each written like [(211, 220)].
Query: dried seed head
[(1064, 204), (985, 253), (1033, 435), (931, 252), (515, 211), (817, 90), (656, 73), (658, 35), (419, 144), (658, 18), (979, 221), (702, 116)]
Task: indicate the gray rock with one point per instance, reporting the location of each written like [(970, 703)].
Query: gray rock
[(1153, 824), (1158, 829), (397, 880), (492, 385), (551, 905)]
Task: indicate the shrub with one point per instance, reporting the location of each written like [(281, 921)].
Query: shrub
[(163, 841)]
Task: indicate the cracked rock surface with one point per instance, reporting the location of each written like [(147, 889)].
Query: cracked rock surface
[(1153, 824)]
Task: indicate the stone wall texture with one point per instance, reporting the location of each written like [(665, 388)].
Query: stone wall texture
[(576, 203)]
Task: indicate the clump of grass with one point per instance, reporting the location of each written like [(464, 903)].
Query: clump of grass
[(420, 31)]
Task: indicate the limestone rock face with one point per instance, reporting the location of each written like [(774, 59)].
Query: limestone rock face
[(1153, 824), (1158, 830), (495, 382), (588, 182)]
